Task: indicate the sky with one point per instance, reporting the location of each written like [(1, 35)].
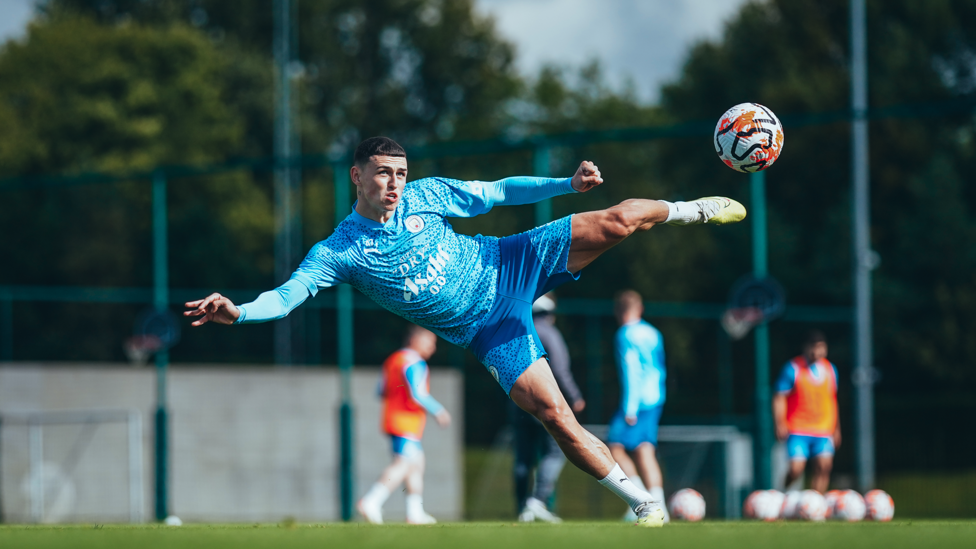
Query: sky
[(645, 40)]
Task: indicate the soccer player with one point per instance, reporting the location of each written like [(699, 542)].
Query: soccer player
[(405, 388), (398, 248), (533, 444), (805, 411), (632, 437)]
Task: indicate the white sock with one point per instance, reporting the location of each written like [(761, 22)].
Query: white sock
[(377, 494), (657, 493), (638, 482), (415, 505), (683, 213), (619, 484)]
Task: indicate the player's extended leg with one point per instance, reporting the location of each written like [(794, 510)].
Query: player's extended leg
[(821, 473), (597, 232), (537, 393)]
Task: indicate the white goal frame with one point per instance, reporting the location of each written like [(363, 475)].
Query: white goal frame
[(36, 421), (738, 454)]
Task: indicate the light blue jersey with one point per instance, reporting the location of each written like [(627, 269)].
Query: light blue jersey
[(640, 365), (414, 265)]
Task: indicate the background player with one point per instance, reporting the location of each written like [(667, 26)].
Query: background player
[(805, 411), (533, 444), (632, 437), (405, 389), (398, 249)]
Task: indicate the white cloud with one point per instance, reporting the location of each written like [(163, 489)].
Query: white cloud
[(14, 16), (645, 40)]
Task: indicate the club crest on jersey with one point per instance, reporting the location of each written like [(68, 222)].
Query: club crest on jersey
[(414, 224), (494, 372)]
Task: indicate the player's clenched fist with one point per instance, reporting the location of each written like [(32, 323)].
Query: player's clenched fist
[(213, 308), (587, 177)]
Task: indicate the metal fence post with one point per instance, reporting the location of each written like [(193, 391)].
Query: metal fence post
[(865, 260), (160, 302), (344, 317), (763, 402)]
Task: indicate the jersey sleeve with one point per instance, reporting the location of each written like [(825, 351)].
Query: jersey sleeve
[(322, 268), (274, 304), (416, 376), (470, 198), (628, 368), (786, 379)]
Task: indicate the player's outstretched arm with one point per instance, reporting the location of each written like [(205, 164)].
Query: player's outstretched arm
[(268, 306), (213, 308)]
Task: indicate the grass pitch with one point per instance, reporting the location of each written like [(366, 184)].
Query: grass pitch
[(588, 535)]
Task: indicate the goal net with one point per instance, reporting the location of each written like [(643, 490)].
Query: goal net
[(715, 460), (71, 466)]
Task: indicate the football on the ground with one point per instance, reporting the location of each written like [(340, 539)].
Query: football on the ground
[(790, 500), (812, 506), (748, 138), (687, 504), (880, 506), (849, 506), (763, 505)]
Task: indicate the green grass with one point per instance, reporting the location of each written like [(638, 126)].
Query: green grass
[(727, 535)]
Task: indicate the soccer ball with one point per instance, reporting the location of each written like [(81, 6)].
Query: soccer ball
[(849, 506), (812, 506), (832, 496), (748, 138), (790, 501), (763, 505), (880, 506), (687, 504)]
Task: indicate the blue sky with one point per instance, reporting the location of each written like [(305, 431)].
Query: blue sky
[(644, 40)]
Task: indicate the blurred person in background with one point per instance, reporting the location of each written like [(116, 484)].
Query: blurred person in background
[(534, 446), (632, 434), (405, 390), (805, 412)]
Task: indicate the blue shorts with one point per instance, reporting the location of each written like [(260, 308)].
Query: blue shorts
[(632, 436), (530, 264), (803, 446), (406, 447)]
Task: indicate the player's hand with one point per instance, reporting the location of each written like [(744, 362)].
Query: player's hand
[(631, 420), (587, 177), (579, 406), (781, 432), (443, 418), (213, 308)]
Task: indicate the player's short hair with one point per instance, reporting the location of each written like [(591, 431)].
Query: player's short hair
[(377, 146), (814, 337), (627, 300), (412, 331)]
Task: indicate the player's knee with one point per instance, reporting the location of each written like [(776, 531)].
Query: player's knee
[(558, 419)]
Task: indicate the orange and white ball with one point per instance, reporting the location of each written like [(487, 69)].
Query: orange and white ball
[(879, 506), (748, 138), (687, 504)]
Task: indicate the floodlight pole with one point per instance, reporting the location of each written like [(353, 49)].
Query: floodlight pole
[(287, 181), (763, 402), (160, 302), (344, 336), (541, 167), (865, 260)]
